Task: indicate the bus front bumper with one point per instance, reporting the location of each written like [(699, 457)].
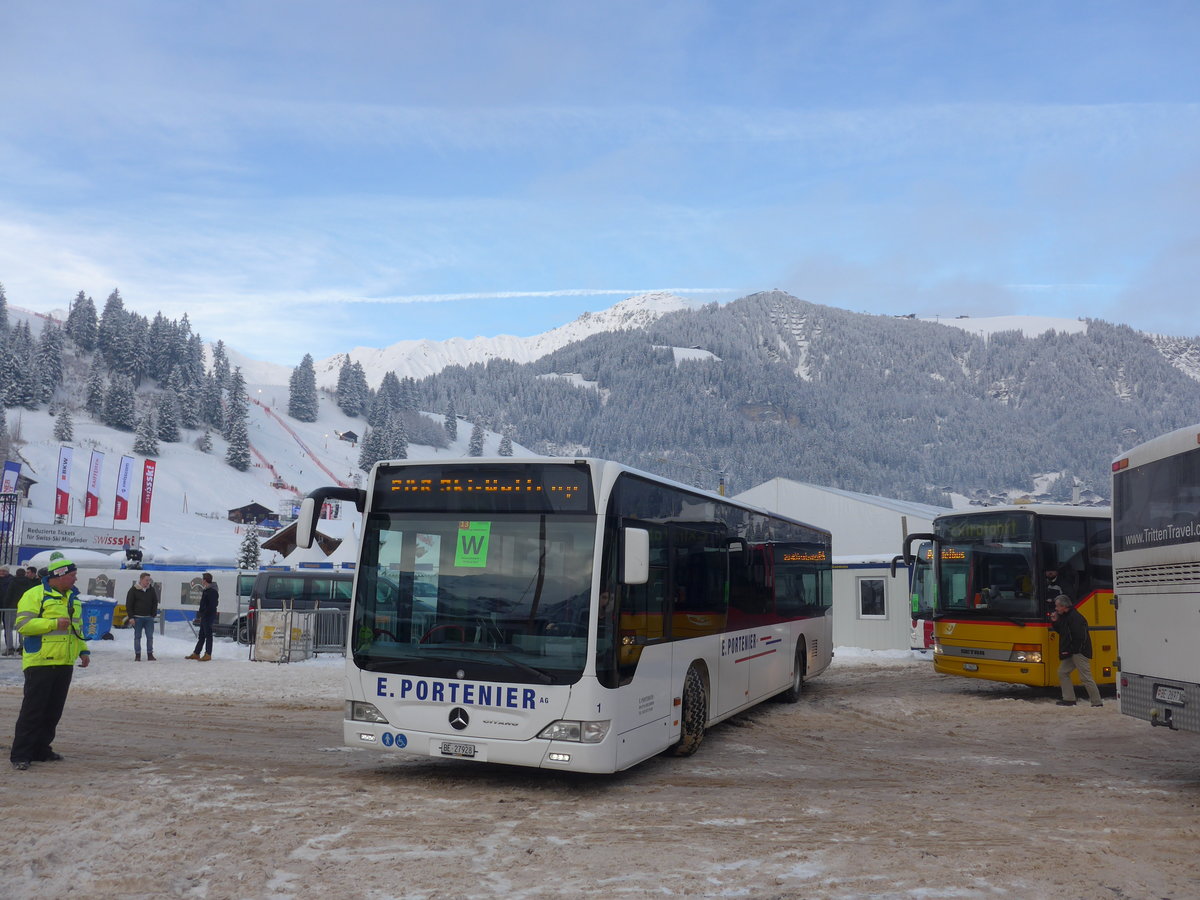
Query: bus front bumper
[(537, 752)]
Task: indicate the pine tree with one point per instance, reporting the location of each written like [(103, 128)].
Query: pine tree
[(96, 389), (238, 454), (109, 331), (475, 444), (212, 412), (82, 326), (119, 409), (372, 449), (390, 392), (5, 438), (248, 551), (3, 315), (408, 394), (163, 355), (398, 437), (237, 404), (168, 417), (352, 390), (145, 440), (220, 365), (302, 391), (451, 420), (8, 375), (205, 444), (64, 427), (24, 379), (506, 444), (50, 350), (186, 399)]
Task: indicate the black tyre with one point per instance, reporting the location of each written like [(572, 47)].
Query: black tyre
[(693, 715), (243, 631), (792, 694)]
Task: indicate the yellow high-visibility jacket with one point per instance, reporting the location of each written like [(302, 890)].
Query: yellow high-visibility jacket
[(43, 642)]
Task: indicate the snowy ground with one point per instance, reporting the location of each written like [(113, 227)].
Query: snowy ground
[(229, 779)]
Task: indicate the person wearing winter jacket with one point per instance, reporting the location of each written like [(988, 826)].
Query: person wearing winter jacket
[(141, 607), (1074, 651), (207, 617), (50, 621)]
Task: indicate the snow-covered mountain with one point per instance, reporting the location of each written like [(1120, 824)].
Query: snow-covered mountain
[(419, 358)]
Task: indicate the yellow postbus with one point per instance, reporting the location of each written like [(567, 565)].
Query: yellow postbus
[(998, 570)]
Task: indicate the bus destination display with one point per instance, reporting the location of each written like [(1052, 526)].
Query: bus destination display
[(513, 488)]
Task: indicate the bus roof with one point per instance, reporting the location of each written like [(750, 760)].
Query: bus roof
[(1177, 441), (1041, 509)]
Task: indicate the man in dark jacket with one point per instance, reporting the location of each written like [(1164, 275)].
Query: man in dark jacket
[(141, 606), (207, 616), (6, 579), (20, 583), (1074, 651)]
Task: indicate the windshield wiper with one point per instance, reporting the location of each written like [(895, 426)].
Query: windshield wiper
[(542, 676)]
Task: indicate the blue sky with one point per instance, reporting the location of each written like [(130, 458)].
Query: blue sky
[(314, 176)]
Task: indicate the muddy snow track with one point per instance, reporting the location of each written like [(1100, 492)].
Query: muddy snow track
[(883, 781)]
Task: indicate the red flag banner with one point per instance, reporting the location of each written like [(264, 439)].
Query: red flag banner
[(124, 480), (147, 489), (62, 493), (91, 504)]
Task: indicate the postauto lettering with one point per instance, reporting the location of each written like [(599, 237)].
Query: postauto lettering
[(464, 693)]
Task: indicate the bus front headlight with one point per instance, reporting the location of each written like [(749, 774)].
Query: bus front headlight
[(358, 711), (1026, 653), (573, 730)]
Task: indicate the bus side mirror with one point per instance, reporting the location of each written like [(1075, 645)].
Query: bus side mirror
[(635, 556), (306, 523)]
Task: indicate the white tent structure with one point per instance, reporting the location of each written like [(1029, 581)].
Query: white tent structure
[(871, 608)]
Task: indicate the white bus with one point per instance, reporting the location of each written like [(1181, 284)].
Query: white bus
[(572, 614), (1156, 561)]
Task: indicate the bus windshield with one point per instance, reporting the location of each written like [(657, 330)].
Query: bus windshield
[(500, 596), (924, 588), (986, 566)]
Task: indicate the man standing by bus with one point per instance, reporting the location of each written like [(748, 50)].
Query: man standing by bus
[(50, 619), (206, 615), (141, 606), (1074, 651)]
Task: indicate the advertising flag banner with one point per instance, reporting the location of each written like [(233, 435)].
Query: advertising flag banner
[(124, 479), (62, 492), (91, 504), (147, 489), (12, 471)]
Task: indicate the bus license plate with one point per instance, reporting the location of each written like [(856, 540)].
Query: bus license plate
[(466, 751), (1172, 695), (970, 667)]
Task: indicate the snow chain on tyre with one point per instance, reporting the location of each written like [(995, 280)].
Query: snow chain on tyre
[(693, 715)]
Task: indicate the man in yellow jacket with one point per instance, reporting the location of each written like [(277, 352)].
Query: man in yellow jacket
[(50, 622)]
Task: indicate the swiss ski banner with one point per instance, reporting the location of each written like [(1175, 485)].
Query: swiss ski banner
[(124, 480), (91, 504), (12, 471), (147, 489), (62, 492)]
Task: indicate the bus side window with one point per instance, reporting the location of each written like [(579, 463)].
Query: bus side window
[(1100, 553), (1064, 546)]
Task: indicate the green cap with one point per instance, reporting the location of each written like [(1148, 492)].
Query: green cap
[(60, 566)]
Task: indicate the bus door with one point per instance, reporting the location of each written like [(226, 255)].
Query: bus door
[(699, 606), (643, 658)]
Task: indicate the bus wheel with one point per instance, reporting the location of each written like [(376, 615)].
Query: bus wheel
[(792, 694), (693, 714)]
